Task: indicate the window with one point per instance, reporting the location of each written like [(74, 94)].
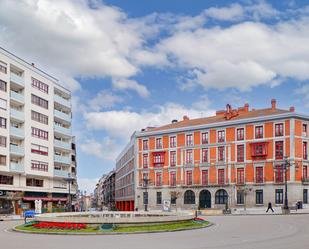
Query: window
[(305, 150), (39, 133), (145, 179), (158, 179), (221, 197), (240, 176), (145, 161), (39, 85), (205, 138), (204, 177), (204, 155), (158, 159), (240, 197), (259, 176), (39, 101), (173, 199), (2, 141), (279, 150), (39, 149), (279, 130), (39, 166), (39, 117), (240, 134), (2, 122), (2, 160), (189, 140), (305, 196), (145, 198), (6, 180), (221, 180), (32, 182), (259, 197), (221, 136), (145, 144), (279, 196), (240, 152), (259, 131), (3, 68), (173, 142), (3, 86), (221, 153), (279, 174), (259, 150), (173, 178), (159, 143), (189, 177), (305, 129), (305, 172), (189, 156), (173, 158), (159, 198), (189, 197), (3, 104)]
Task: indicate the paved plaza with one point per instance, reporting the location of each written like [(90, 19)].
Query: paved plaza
[(234, 232)]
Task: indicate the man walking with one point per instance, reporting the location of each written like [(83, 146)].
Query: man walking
[(269, 207)]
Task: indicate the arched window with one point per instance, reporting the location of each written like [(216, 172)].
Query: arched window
[(189, 197), (221, 197)]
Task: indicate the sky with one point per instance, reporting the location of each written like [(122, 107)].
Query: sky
[(132, 64)]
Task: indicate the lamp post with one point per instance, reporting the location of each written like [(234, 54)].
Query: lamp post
[(146, 181), (69, 180)]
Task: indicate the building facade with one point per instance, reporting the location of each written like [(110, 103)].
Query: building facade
[(35, 137), (125, 178), (234, 158), (108, 191)]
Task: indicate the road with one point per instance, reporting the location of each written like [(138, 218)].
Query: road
[(233, 232)]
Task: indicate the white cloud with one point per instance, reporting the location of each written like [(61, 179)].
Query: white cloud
[(232, 12), (304, 92), (122, 124), (104, 100), (126, 84)]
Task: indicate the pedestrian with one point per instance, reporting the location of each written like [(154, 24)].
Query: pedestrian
[(269, 207)]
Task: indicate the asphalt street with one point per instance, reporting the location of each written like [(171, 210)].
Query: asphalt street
[(233, 232)]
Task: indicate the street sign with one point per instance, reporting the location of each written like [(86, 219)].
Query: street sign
[(2, 192)]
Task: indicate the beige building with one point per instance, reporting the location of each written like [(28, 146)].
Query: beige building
[(37, 156)]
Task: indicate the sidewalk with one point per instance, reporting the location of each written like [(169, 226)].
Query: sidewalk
[(10, 217), (262, 211)]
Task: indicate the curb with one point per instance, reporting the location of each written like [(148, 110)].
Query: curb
[(112, 233)]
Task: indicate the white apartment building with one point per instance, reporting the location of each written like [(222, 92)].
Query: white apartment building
[(37, 156)]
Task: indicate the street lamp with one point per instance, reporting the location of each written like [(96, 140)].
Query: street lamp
[(146, 181), (70, 180)]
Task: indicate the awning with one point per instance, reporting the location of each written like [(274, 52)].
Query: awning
[(43, 199)]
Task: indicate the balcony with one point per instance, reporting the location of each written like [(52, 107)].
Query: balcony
[(58, 99), (61, 173), (16, 150), (17, 79), (17, 167), (305, 180), (259, 180), (17, 115), (62, 145), (240, 182), (62, 130), (62, 159), (63, 116), (279, 180), (17, 132), (17, 97)]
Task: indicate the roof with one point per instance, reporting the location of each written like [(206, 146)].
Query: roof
[(218, 119)]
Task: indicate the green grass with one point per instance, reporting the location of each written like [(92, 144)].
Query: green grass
[(129, 229)]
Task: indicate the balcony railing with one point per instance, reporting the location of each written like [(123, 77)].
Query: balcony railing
[(17, 132), (17, 97), (17, 79), (240, 182), (61, 173), (63, 145), (62, 130), (16, 167), (305, 180), (62, 101), (259, 180), (62, 159), (279, 180), (63, 116), (16, 150), (17, 114)]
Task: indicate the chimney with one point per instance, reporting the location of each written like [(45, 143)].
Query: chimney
[(273, 104), (246, 107), (185, 118), (292, 109)]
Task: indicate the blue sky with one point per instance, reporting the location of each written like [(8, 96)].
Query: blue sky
[(131, 64)]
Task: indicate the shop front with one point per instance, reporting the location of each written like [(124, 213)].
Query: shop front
[(9, 202)]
